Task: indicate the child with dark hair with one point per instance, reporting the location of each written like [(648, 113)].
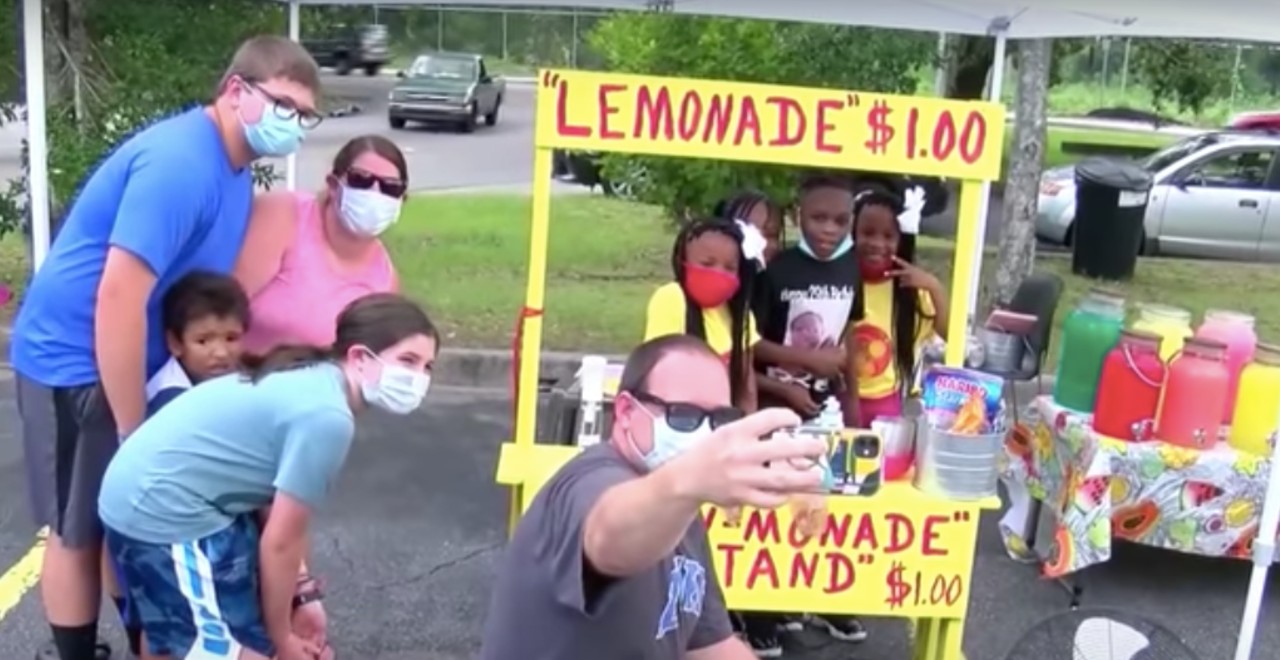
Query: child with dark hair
[(808, 302), (205, 315), (710, 297), (905, 305), (756, 209)]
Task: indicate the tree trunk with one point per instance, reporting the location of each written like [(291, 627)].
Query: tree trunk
[(1017, 236)]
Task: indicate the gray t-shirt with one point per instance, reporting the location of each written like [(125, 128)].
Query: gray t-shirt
[(549, 604)]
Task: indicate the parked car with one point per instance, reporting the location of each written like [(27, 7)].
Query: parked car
[(452, 88), (584, 168), (1215, 195), (355, 47)]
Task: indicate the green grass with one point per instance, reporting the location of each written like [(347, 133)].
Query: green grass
[(1059, 136), (465, 257)]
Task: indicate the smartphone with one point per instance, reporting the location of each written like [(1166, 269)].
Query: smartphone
[(863, 455), (833, 472)]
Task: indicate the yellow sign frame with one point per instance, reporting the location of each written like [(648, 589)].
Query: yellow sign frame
[(833, 129)]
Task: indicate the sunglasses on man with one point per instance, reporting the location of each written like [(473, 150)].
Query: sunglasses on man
[(687, 417)]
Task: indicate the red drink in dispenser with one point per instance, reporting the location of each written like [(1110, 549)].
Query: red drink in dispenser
[(1236, 331), (1195, 389), (1129, 389)]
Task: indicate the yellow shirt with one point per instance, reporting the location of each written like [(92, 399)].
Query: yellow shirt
[(877, 371), (666, 317)]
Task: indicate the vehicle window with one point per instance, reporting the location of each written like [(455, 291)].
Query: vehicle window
[(453, 68), (1176, 152), (1240, 169)]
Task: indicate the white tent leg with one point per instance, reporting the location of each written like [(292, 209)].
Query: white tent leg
[(291, 161), (1264, 548), (37, 131), (997, 88)]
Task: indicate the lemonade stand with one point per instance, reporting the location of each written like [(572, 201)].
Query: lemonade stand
[(899, 553)]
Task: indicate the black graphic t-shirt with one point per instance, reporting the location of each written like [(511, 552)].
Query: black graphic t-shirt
[(804, 303)]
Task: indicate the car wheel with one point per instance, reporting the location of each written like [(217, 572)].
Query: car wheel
[(469, 124), (492, 118), (372, 69), (342, 66), (396, 122)]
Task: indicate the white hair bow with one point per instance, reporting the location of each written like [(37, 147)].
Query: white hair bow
[(913, 207), (753, 242)]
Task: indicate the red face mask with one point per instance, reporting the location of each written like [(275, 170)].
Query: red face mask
[(709, 287), (874, 272)]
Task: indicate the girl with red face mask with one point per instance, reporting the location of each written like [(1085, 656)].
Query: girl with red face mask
[(905, 305), (710, 297)]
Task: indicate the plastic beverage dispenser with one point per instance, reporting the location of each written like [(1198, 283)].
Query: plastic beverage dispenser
[(1089, 333), (1129, 389), (1171, 324), (1258, 399), (1195, 389), (1234, 329)]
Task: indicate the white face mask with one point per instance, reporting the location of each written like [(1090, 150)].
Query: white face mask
[(397, 390), (368, 212), (668, 443)]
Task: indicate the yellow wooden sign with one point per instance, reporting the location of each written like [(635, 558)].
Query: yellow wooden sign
[(898, 553), (595, 111)]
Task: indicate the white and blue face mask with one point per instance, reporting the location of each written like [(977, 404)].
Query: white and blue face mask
[(398, 389), (841, 249), (693, 425), (277, 133), (367, 213)]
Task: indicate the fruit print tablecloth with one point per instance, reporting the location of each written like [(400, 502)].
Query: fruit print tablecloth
[(1099, 488)]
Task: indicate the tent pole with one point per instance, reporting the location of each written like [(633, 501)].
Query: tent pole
[(997, 89), (291, 161), (1264, 550), (37, 131)]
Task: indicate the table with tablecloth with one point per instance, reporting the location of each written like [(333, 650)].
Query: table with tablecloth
[(1205, 502)]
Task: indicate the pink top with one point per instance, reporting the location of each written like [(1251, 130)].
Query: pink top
[(301, 303)]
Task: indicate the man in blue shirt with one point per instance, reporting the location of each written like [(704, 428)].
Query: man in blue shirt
[(174, 197)]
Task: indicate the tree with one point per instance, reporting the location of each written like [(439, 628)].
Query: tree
[(1185, 72), (750, 51), (1017, 236)]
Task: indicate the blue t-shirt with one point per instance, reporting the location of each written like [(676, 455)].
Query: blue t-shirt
[(170, 196), (223, 449)]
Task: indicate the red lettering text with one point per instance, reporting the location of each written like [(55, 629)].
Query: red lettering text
[(835, 533), (709, 516), (750, 122), (719, 115), (804, 569), (730, 552), (690, 115), (763, 567), (563, 127), (762, 526), (840, 575), (656, 110), (788, 108), (902, 533), (824, 126), (866, 534), (929, 535), (607, 109)]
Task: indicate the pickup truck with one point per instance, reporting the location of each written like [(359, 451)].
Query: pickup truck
[(358, 47), (451, 88)]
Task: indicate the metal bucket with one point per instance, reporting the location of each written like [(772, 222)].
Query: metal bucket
[(955, 466), (1003, 351)]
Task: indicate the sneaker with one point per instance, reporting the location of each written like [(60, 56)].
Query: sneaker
[(765, 644), (792, 623), (843, 628)]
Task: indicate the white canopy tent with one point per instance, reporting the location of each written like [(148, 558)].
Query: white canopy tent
[(1243, 20)]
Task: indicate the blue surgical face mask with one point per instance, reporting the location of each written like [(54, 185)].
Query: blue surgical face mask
[(273, 135), (668, 443), (841, 249)]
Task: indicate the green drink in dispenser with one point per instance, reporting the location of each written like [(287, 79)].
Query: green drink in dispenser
[(1089, 333)]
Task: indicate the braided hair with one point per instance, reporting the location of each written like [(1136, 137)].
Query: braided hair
[(741, 204), (739, 305), (907, 317)]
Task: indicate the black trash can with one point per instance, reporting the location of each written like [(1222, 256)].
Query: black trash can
[(1111, 204)]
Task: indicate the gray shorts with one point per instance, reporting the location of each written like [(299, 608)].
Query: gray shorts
[(68, 438)]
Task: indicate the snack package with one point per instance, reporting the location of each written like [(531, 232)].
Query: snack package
[(963, 401), (810, 511), (733, 516)]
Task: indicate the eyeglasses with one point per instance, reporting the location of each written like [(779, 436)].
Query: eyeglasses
[(361, 180), (287, 109), (687, 417)]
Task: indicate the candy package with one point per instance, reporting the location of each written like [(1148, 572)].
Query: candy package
[(963, 401), (810, 511)]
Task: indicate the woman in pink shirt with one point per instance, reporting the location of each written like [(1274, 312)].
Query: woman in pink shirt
[(307, 255)]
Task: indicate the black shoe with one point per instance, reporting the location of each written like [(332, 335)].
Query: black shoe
[(765, 644), (50, 652), (843, 628)]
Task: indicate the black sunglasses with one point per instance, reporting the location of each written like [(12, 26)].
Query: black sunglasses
[(364, 181), (687, 417)]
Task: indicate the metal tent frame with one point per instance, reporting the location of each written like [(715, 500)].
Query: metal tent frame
[(1245, 20)]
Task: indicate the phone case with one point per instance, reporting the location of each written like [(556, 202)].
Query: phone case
[(857, 461)]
